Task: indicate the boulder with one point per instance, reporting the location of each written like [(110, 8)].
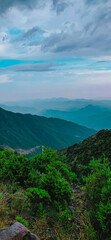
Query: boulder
[(17, 231)]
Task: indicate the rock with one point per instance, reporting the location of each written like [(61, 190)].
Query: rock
[(75, 190), (72, 208), (17, 231), (30, 236)]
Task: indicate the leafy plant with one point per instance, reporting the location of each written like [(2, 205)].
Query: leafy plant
[(98, 189), (1, 196), (45, 179), (23, 221)]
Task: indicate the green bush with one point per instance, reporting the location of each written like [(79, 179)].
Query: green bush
[(64, 216), (46, 177), (23, 221), (1, 196), (37, 200), (58, 188), (98, 189), (13, 167)]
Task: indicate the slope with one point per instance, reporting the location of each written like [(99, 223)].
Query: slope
[(79, 155), (27, 131)]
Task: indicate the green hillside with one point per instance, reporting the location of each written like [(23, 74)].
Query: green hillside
[(79, 155), (27, 131)]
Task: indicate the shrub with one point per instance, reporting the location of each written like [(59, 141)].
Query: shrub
[(98, 189), (38, 199), (58, 188), (1, 196), (23, 221), (13, 166), (64, 216), (46, 178)]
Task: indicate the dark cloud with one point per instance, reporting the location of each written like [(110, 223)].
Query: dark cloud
[(87, 32), (62, 42), (30, 33), (96, 1), (51, 42), (37, 67), (6, 4), (58, 5), (61, 5), (90, 41), (94, 37)]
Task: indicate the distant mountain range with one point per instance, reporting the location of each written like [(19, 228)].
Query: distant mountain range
[(90, 113), (29, 131), (38, 106), (91, 116)]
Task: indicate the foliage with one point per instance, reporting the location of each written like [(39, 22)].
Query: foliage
[(38, 199), (1, 196), (79, 155), (23, 221), (98, 189), (57, 187), (39, 189), (13, 166), (45, 177)]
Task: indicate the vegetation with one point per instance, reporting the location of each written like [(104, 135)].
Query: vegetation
[(45, 178), (23, 221), (98, 189), (45, 195), (80, 155), (27, 131)]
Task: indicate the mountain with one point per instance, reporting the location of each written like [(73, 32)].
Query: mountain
[(27, 131), (19, 109), (38, 106), (94, 114), (79, 155), (91, 116)]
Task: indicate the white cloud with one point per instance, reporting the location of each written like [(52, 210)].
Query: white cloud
[(93, 72), (4, 79)]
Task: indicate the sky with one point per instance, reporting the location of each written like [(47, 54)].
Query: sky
[(55, 48)]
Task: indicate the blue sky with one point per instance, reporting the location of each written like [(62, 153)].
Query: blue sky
[(55, 48)]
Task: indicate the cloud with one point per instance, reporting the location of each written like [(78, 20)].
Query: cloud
[(58, 5), (82, 29), (61, 5), (31, 33), (96, 1), (88, 33), (55, 31), (37, 67), (7, 4), (4, 79)]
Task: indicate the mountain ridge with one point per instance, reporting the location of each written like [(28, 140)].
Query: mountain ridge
[(27, 131), (91, 116)]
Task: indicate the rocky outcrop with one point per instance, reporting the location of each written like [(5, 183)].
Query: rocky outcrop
[(17, 231)]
